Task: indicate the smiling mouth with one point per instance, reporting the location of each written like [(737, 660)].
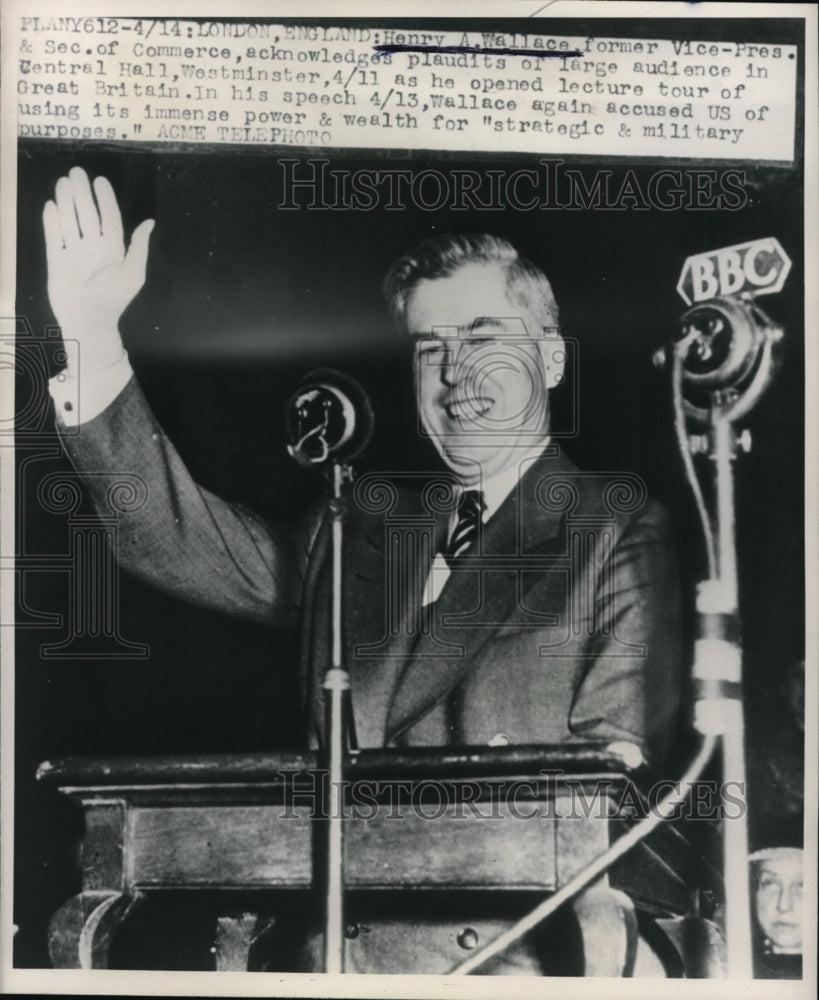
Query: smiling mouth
[(468, 407)]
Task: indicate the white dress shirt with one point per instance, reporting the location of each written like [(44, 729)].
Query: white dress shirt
[(79, 399), (495, 490)]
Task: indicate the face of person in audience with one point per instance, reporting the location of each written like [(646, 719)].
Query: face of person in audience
[(778, 901), (480, 370)]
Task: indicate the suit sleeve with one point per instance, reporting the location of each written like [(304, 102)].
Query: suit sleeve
[(631, 689), (180, 537)]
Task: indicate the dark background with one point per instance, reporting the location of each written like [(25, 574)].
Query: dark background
[(241, 300)]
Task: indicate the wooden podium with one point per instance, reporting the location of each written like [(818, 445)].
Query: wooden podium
[(516, 819)]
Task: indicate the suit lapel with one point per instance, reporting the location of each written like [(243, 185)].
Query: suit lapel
[(387, 564), (481, 593)]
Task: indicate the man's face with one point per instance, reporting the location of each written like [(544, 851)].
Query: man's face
[(480, 375), (779, 902)]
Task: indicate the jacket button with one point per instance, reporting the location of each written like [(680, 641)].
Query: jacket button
[(500, 740), (352, 931), (468, 939)]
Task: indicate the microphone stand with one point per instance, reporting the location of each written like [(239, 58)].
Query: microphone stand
[(719, 709), (337, 713), (734, 387), (330, 421)]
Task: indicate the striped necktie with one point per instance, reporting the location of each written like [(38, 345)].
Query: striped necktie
[(470, 515)]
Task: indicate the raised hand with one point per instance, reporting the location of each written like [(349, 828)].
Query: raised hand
[(91, 278)]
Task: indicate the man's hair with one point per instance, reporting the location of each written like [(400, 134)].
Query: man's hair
[(441, 256)]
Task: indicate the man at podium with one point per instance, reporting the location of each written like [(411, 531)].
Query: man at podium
[(527, 601)]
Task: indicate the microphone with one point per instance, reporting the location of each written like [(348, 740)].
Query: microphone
[(725, 352), (724, 341), (328, 419)]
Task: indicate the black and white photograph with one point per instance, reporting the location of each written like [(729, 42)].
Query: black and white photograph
[(409, 499)]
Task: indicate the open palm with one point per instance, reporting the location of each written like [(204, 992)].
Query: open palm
[(91, 278)]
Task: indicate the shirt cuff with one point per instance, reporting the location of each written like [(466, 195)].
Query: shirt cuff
[(80, 398)]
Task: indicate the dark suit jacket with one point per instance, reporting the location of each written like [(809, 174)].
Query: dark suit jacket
[(560, 623)]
